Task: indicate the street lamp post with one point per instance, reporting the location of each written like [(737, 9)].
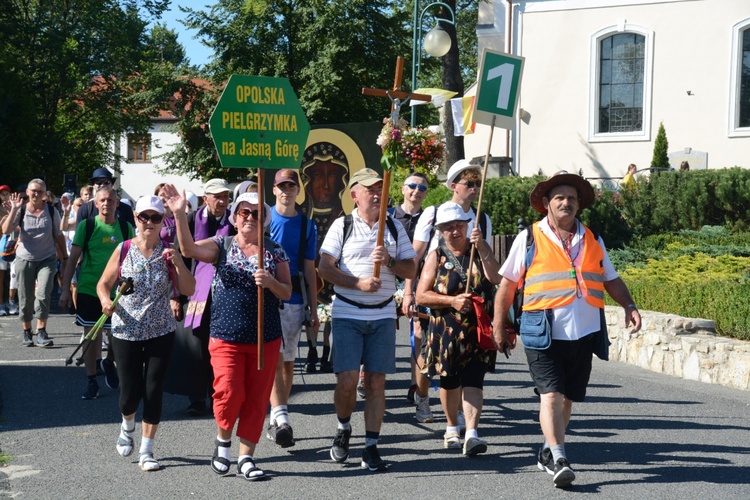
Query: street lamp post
[(437, 43)]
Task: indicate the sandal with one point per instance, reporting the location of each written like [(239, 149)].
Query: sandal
[(148, 463), (124, 444), (252, 473), (216, 459)]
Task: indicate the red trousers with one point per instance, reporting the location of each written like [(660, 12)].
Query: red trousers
[(240, 390)]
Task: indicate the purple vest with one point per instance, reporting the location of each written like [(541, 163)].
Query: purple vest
[(204, 272)]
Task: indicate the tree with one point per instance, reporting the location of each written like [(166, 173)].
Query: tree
[(82, 72), (660, 159)]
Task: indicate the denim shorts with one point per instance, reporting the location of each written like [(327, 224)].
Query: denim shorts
[(372, 343)]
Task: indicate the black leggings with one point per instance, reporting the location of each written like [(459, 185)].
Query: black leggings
[(142, 367)]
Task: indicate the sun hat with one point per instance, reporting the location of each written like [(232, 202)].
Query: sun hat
[(251, 198), (456, 169), (449, 212), (192, 199), (101, 173), (367, 177), (151, 202), (216, 186), (562, 178), (286, 175)]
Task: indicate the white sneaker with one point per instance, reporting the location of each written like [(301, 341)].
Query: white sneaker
[(474, 446), (423, 413)]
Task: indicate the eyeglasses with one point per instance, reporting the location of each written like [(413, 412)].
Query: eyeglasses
[(246, 212), (36, 191), (412, 185), (102, 182), (471, 184), (154, 218)]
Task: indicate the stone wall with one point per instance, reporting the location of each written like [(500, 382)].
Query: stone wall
[(682, 347)]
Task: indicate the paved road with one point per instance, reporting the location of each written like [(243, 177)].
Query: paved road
[(641, 435)]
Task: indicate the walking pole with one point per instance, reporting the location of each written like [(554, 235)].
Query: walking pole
[(125, 288)]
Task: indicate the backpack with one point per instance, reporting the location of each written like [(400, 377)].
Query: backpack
[(8, 248), (90, 224), (348, 229), (50, 209)]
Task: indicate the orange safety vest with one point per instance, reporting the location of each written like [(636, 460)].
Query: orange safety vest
[(551, 281)]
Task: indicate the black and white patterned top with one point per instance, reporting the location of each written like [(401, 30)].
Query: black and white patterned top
[(145, 314)]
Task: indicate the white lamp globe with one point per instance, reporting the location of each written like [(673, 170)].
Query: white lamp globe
[(437, 43)]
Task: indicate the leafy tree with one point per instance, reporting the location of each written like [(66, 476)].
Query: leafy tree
[(328, 50), (661, 147), (83, 72)]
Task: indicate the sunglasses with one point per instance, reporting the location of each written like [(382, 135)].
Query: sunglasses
[(471, 184), (246, 212), (36, 191), (102, 182), (421, 187), (154, 218)]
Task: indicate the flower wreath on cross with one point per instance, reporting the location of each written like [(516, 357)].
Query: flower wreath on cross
[(413, 149)]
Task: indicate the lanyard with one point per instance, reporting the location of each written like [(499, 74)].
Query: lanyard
[(566, 245)]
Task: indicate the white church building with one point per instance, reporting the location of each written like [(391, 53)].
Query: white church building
[(600, 76)]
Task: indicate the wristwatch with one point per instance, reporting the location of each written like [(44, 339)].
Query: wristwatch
[(391, 263)]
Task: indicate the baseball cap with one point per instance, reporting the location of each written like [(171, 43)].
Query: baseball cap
[(216, 186), (286, 175), (151, 202), (367, 177), (449, 212), (251, 198), (456, 169), (5, 187)]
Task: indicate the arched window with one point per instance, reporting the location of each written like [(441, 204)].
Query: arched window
[(620, 83), (739, 109)]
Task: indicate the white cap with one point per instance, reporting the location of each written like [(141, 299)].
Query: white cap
[(251, 198), (449, 212), (152, 202), (456, 169)]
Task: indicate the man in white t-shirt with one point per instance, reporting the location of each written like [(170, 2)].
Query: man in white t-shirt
[(568, 272), (363, 310), (465, 180)]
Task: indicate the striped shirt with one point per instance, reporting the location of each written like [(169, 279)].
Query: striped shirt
[(356, 259)]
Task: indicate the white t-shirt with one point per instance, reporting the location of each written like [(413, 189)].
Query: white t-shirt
[(425, 226), (356, 259), (579, 318)]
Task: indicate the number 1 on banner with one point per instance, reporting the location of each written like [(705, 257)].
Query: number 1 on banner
[(505, 73), (498, 88)]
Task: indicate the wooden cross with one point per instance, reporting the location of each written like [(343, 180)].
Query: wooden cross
[(398, 98)]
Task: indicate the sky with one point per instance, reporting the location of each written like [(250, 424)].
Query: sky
[(198, 53)]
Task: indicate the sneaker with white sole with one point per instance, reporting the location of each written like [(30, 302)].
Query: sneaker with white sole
[(451, 440), (340, 446), (563, 474), (544, 461), (371, 459), (423, 412), (474, 446), (13, 307), (4, 310)]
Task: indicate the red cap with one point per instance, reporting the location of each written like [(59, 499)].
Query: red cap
[(5, 187)]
